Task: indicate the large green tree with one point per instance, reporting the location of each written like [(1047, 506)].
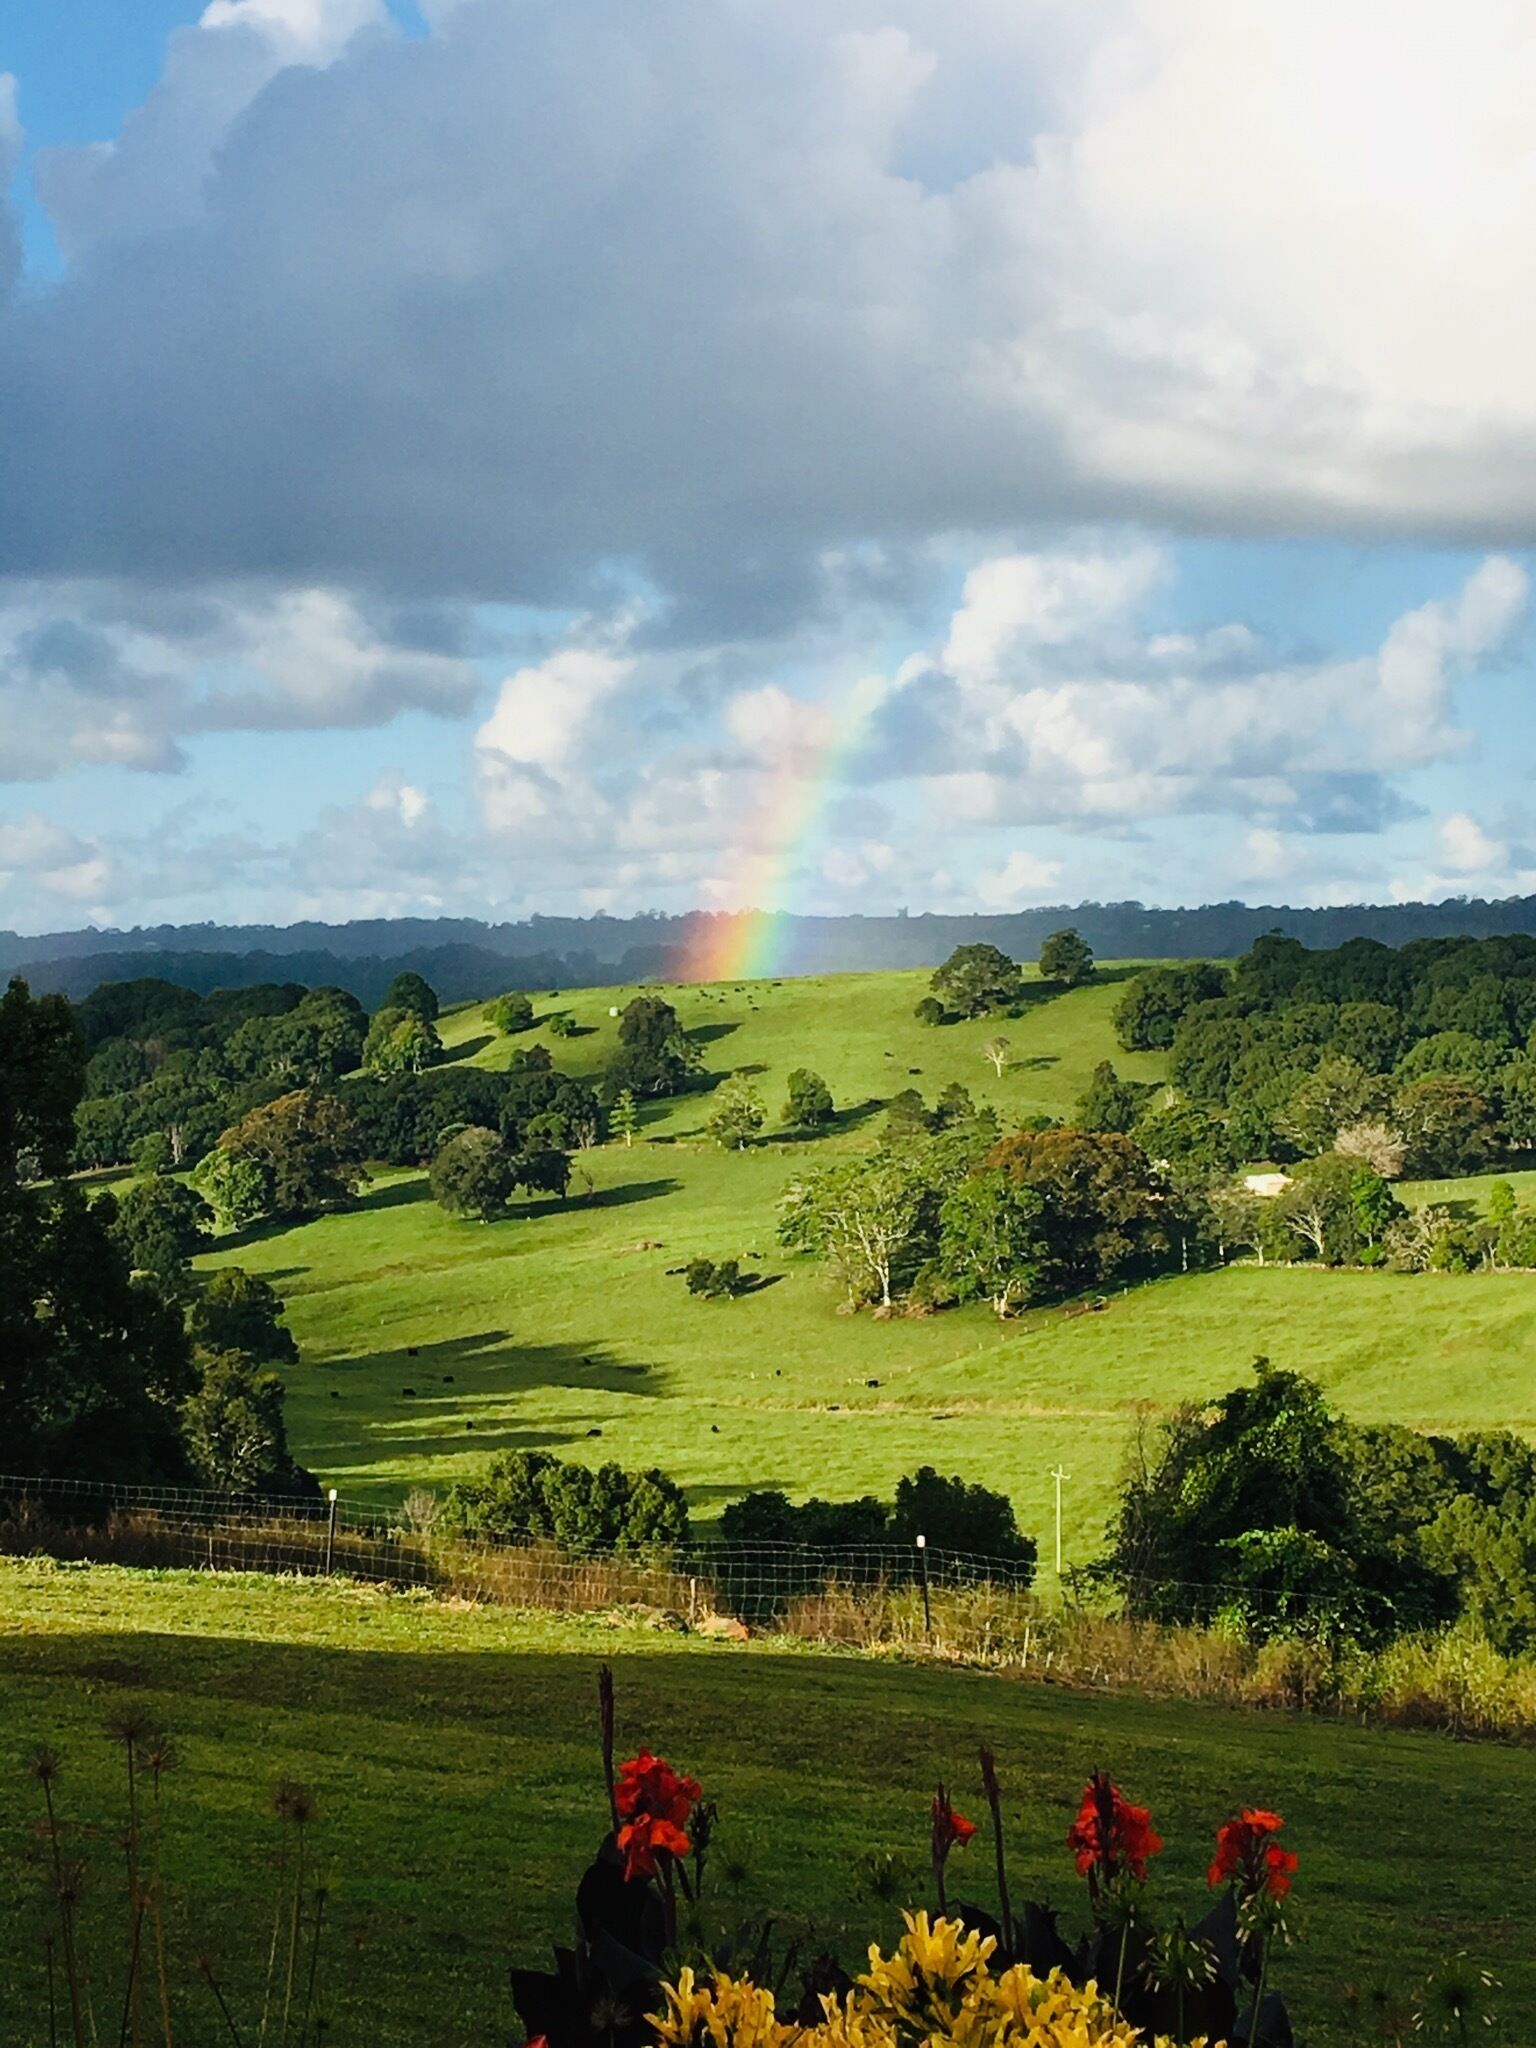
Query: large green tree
[(977, 978), (1103, 1212), (1066, 957), (309, 1145)]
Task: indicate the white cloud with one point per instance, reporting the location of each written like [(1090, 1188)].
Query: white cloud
[(1022, 878), (100, 672), (1121, 730), (1014, 603), (1466, 849), (720, 292)]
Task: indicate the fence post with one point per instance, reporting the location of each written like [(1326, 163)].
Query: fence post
[(693, 1602), (330, 1532), (922, 1563)]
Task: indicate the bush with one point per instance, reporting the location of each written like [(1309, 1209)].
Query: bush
[(530, 1497), (807, 1101), (712, 1282), (931, 1011), (511, 1012), (474, 1175)]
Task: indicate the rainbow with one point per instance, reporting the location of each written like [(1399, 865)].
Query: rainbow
[(771, 853)]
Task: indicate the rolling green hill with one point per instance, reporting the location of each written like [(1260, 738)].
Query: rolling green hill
[(561, 1327), (454, 1759)]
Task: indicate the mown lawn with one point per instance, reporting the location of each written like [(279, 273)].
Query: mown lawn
[(568, 1327), (454, 1757)]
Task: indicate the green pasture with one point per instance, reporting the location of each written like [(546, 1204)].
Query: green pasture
[(563, 1327), (454, 1758)]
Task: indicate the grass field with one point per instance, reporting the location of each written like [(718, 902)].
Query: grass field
[(454, 1759), (561, 1327)]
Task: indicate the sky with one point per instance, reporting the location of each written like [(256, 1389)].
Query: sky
[(492, 456)]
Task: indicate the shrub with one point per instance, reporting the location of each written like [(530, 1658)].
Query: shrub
[(473, 1175), (511, 1012), (808, 1100), (530, 1496)]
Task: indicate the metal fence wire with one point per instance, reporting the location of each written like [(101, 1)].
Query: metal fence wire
[(319, 1534)]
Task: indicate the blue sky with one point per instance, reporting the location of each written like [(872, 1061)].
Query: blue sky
[(504, 455)]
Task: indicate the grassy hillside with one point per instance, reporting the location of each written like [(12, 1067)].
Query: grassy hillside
[(455, 1763), (562, 1328)]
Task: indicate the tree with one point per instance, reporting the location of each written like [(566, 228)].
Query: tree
[(530, 1497), (1246, 1507), (159, 1224), (1458, 1053), (1155, 1003), (544, 1170), (907, 1116), (956, 1515), (410, 992), (474, 1175), (511, 1012), (737, 1114), (237, 1191), (930, 1011), (1185, 1140), (400, 1042), (1337, 1208), (1338, 1093), (624, 1118), (807, 1101), (1066, 957), (656, 1056), (975, 979), (563, 1025), (42, 1074), (863, 1216), (997, 1050), (1375, 1143), (236, 1311), (234, 1430), (992, 1240), (1110, 1104), (1103, 1212), (93, 1364), (1446, 1126), (310, 1147), (1517, 1104)]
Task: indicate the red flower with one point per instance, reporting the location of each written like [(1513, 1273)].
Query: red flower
[(1110, 1835), (654, 1804), (1248, 1855), (950, 1829)]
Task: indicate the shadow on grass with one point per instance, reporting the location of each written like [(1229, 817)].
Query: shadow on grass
[(396, 1194), (841, 1120), (466, 1050), (601, 1198), (706, 1034)]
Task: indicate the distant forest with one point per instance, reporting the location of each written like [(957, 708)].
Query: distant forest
[(464, 957)]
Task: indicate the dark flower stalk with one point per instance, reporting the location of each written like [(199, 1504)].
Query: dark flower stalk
[(205, 1966), (605, 1714), (45, 1766), (949, 1828), (995, 1804)]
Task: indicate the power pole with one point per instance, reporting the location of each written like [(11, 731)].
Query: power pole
[(1058, 1475)]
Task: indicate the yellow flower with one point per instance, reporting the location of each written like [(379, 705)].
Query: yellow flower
[(936, 1991)]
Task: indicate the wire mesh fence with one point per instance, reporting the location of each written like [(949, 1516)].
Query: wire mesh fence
[(844, 1590), (321, 1534)]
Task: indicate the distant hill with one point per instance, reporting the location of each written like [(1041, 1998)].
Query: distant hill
[(465, 957)]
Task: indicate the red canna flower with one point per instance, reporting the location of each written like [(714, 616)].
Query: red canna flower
[(653, 1803), (1110, 1836), (951, 1830), (1248, 1855)]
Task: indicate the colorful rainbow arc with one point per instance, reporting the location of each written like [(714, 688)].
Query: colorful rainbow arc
[(753, 943)]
